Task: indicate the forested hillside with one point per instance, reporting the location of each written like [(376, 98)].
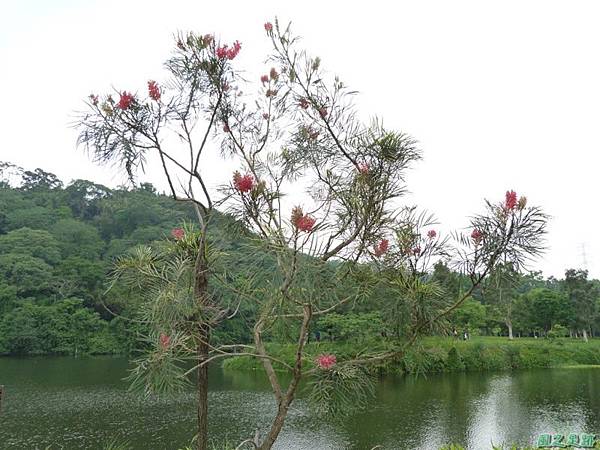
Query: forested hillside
[(57, 246), (58, 243)]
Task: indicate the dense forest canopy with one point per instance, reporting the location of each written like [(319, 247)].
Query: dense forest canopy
[(58, 243)]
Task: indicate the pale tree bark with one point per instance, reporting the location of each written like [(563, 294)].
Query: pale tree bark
[(585, 335), (286, 399)]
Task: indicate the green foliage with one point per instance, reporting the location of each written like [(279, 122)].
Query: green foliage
[(340, 390), (31, 276), (440, 355), (65, 327), (558, 331), (35, 243), (471, 315), (77, 238), (351, 326)]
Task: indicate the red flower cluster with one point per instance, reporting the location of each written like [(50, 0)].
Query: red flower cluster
[(381, 248), (312, 134), (510, 202), (301, 221), (178, 233), (326, 361), (164, 340), (264, 79), (477, 236), (229, 53), (226, 128), (268, 27), (363, 168), (273, 74), (265, 116), (416, 251), (323, 112), (125, 101), (271, 93), (243, 183), (303, 103), (431, 234), (94, 99), (153, 90)]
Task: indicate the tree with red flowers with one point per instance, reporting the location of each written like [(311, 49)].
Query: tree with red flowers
[(351, 236), (125, 128), (344, 239)]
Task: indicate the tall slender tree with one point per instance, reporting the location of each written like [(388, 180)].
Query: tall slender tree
[(347, 236), (583, 296)]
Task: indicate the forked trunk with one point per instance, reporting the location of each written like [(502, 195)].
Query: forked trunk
[(285, 400)]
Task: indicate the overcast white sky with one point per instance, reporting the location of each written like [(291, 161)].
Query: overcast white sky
[(501, 95)]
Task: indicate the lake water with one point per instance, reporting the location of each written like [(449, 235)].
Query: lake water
[(83, 403)]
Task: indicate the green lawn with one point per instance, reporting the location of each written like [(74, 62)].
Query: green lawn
[(444, 354)]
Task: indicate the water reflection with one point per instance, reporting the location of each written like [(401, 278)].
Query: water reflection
[(83, 403)]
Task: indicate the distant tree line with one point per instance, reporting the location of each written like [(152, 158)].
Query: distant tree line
[(58, 243)]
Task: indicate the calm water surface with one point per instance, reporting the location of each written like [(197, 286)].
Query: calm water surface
[(83, 404)]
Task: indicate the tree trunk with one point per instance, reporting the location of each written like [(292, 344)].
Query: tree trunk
[(585, 334), (201, 294), (278, 422), (287, 399), (510, 330)]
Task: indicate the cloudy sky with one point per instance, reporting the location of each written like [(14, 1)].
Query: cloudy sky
[(500, 95)]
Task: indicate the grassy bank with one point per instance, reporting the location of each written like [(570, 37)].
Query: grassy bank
[(438, 355)]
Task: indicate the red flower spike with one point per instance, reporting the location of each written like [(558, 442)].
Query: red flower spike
[(178, 233), (233, 52), (323, 112), (306, 223), (268, 27), (153, 90), (164, 341), (273, 74), (431, 234), (301, 221), (296, 214), (94, 99), (303, 103), (125, 101), (510, 200), (363, 168), (381, 248), (226, 128), (477, 236), (326, 361), (264, 79), (221, 52), (265, 116), (243, 183), (416, 251)]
